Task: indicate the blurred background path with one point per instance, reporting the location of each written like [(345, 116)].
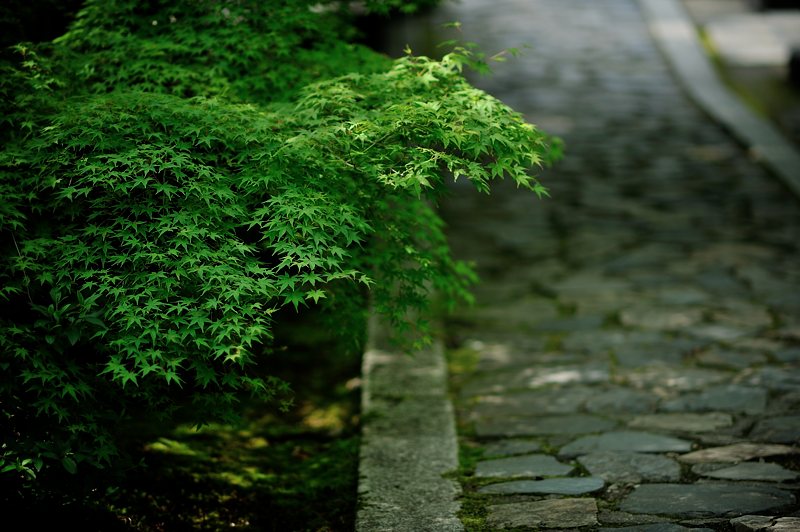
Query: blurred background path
[(634, 356)]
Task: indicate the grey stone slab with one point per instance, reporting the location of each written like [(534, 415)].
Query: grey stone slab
[(541, 402), (516, 314), (535, 465), (569, 424), (680, 422), (553, 513), (720, 281), (758, 345), (751, 523), (729, 398), (682, 295), (535, 376), (593, 285), (727, 436), (703, 468), (718, 332), (738, 452), (633, 356), (505, 427), (783, 429), (604, 340), (791, 354), (785, 524), (554, 486), (715, 522), (782, 299), (754, 471), (625, 519), (571, 323), (732, 253), (785, 379), (765, 523), (622, 400), (573, 374), (728, 358), (631, 468), (695, 500), (497, 355), (498, 381), (677, 379), (660, 527), (511, 447), (643, 257), (635, 441), (648, 280), (789, 331), (594, 246), (705, 523), (785, 403), (743, 314), (660, 318)]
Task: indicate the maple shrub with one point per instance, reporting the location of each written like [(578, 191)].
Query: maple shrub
[(175, 173)]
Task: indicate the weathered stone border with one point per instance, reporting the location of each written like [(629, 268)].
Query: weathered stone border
[(676, 36), (408, 440)]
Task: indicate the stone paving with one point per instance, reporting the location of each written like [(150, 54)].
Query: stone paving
[(635, 349)]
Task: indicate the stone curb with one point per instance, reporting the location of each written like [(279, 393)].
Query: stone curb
[(408, 440), (675, 34)]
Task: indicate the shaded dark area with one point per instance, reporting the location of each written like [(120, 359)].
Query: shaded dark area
[(273, 471), (764, 5), (35, 20)]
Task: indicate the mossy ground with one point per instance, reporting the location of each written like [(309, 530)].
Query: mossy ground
[(293, 471)]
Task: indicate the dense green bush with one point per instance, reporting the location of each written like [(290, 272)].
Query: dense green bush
[(176, 173)]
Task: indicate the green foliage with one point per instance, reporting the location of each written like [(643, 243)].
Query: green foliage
[(175, 174), (403, 6), (249, 50)]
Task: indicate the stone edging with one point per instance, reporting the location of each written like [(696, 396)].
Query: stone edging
[(676, 36), (408, 440)]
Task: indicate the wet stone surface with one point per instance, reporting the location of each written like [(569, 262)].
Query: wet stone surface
[(737, 452), (765, 523), (627, 440), (558, 486), (621, 400), (544, 402), (511, 447), (659, 527), (537, 426), (728, 398), (537, 465), (705, 499), (683, 422), (730, 359), (753, 471), (631, 468), (642, 324), (782, 429), (554, 513), (778, 378)]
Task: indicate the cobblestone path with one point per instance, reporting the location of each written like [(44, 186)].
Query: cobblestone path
[(634, 356)]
